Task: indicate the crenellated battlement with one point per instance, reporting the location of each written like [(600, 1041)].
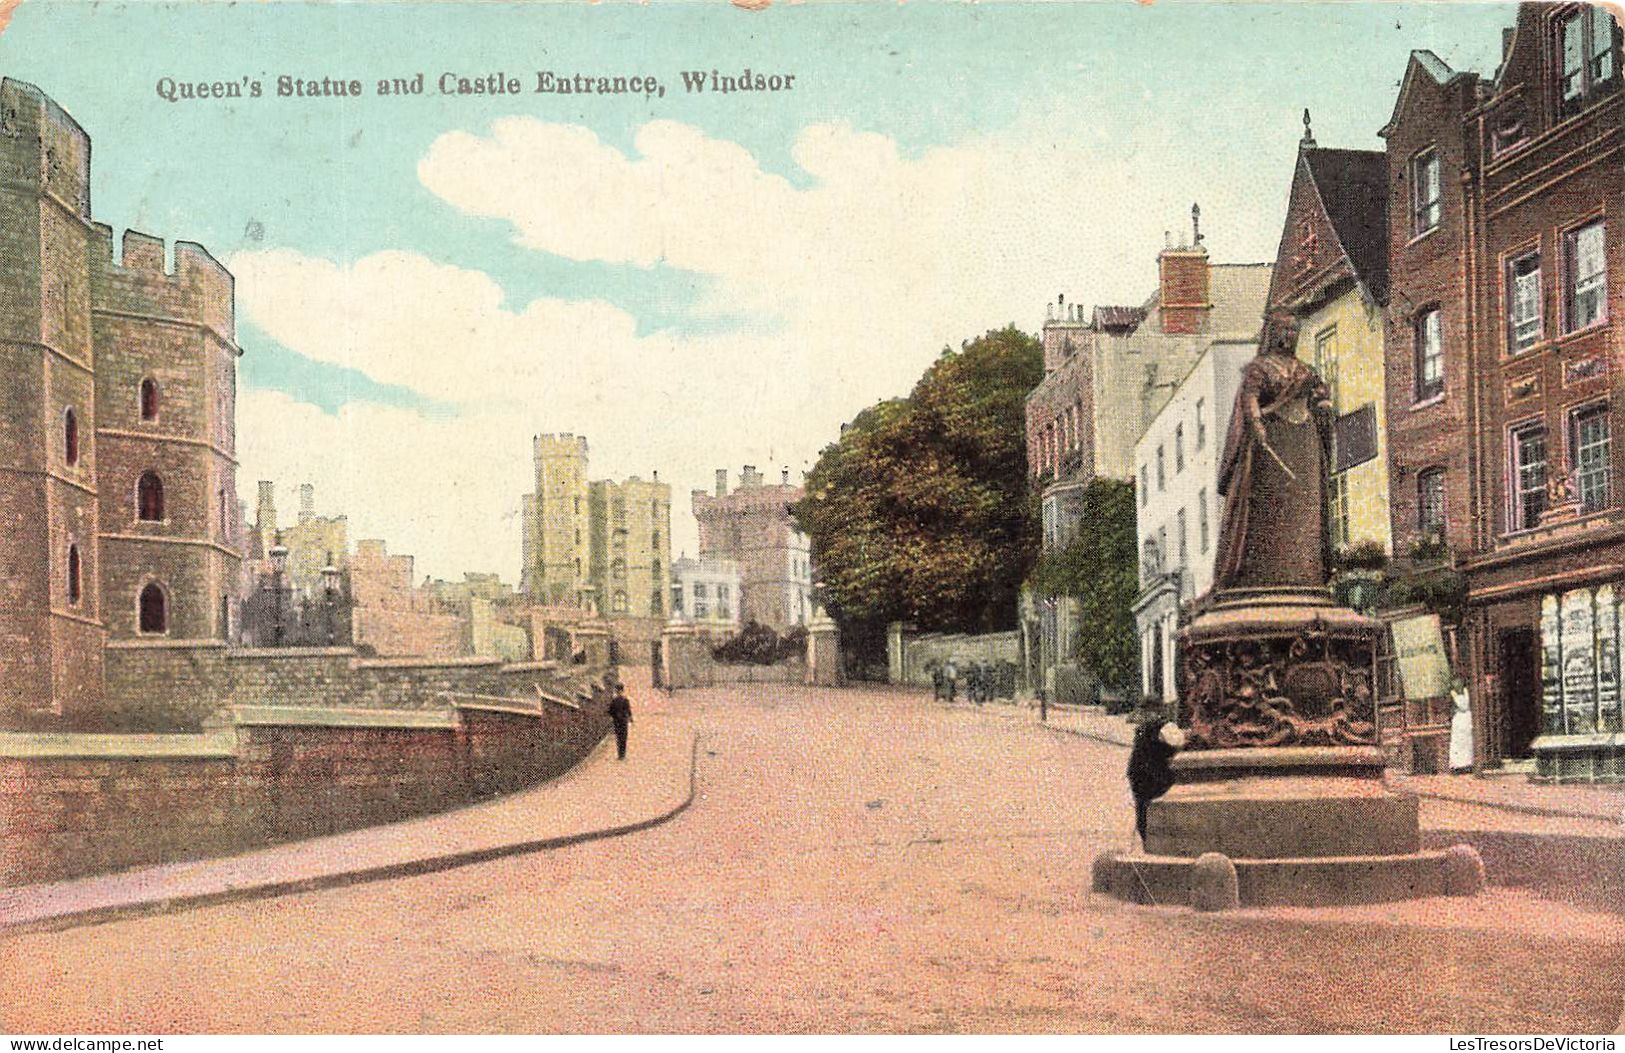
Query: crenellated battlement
[(43, 147), (138, 280), (770, 498), (563, 444)]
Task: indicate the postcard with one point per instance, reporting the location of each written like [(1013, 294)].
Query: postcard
[(835, 518)]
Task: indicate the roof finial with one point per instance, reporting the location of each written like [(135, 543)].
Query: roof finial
[(1308, 141), (1196, 226)]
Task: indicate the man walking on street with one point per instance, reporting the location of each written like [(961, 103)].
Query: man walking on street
[(620, 712)]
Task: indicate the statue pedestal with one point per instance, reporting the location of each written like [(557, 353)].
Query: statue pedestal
[(1279, 796)]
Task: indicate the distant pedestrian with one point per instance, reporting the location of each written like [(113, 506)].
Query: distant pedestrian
[(950, 674), (620, 713), (1149, 776), (937, 681)]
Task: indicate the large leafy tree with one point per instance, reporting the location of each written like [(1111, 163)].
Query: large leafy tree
[(919, 512)]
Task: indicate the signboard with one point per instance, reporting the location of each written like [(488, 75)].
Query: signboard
[(1579, 677), (1424, 672), (1551, 663), (1356, 438), (1607, 660)]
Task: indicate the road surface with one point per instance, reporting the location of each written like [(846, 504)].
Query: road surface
[(857, 860)]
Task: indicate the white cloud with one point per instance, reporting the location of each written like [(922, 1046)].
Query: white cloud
[(849, 284)]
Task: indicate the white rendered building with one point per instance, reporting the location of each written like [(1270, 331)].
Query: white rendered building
[(1178, 506), (705, 592)]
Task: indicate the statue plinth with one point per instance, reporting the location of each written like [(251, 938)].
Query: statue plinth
[(1278, 667), (1279, 796)]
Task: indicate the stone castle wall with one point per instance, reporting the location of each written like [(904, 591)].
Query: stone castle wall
[(184, 686), (394, 632), (72, 805)]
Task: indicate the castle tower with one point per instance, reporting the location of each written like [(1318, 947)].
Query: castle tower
[(557, 547), (51, 630), (631, 547), (752, 528), (166, 384)]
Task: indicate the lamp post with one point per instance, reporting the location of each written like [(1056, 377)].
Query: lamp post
[(279, 570), (330, 591)]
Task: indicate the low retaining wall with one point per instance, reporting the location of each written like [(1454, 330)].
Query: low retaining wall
[(73, 804), (911, 657), (164, 685)]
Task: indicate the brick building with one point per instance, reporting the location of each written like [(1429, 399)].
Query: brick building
[(1504, 335), (117, 438), (1107, 373), (753, 528)]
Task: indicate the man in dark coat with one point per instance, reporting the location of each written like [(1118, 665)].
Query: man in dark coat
[(1149, 776), (620, 713)]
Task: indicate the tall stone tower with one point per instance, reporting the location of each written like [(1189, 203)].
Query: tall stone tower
[(118, 500), (557, 557), (631, 547), (753, 527), (51, 631), (166, 391)]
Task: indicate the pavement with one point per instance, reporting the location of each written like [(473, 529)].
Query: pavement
[(600, 797), (1603, 803), (854, 860)]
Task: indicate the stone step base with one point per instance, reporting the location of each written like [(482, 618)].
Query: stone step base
[(1217, 882), (1283, 816)]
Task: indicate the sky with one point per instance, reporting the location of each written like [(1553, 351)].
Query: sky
[(691, 280)]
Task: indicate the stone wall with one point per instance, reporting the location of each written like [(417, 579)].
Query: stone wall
[(633, 637), (912, 665), (186, 685), (410, 632), (72, 805), (687, 662)]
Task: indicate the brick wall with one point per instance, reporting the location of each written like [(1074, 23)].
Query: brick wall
[(1426, 273), (268, 780)]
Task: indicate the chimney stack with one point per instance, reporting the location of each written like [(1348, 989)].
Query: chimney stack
[(265, 511), (786, 475), (750, 477), (1182, 299), (722, 482)]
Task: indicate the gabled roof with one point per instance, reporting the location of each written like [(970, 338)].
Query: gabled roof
[(1353, 189), (1423, 63)]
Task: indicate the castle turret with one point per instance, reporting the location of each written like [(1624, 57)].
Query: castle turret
[(51, 631)]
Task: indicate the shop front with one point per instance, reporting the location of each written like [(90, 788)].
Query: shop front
[(1546, 660)]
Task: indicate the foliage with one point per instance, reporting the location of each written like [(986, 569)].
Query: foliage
[(1099, 569), (1441, 590), (919, 512), (1430, 548), (758, 644), (1363, 555)]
